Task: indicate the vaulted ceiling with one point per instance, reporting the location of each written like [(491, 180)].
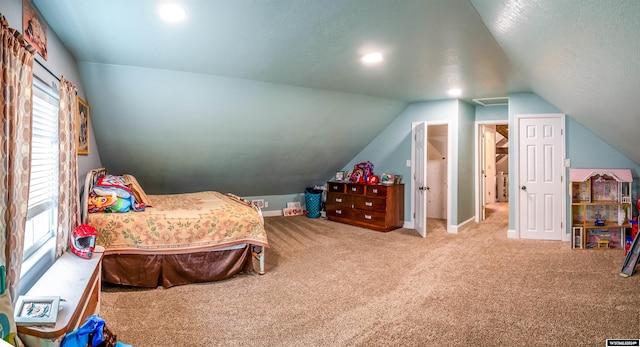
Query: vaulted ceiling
[(276, 87)]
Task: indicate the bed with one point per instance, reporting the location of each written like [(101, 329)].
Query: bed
[(169, 240)]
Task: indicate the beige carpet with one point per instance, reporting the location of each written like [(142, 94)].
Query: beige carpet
[(330, 284)]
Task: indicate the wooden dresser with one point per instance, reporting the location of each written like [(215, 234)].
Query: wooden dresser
[(378, 207)]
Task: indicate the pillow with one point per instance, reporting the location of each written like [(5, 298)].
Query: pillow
[(110, 185), (132, 183)]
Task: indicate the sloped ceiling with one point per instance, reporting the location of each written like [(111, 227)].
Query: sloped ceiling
[(268, 97), (583, 56)]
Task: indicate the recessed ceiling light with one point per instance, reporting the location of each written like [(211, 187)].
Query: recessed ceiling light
[(455, 92), (172, 12), (372, 58)]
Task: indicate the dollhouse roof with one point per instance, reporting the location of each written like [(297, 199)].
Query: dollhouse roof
[(581, 175)]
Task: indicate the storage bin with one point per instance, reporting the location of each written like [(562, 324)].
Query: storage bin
[(312, 199)]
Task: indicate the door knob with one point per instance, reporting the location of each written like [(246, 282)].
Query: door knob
[(524, 188)]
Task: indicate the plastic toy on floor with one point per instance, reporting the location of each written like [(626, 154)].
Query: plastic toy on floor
[(93, 333)]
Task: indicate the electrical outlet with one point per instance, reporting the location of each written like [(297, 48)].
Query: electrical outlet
[(266, 204), (258, 203)]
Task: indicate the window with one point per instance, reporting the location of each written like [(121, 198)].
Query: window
[(40, 230)]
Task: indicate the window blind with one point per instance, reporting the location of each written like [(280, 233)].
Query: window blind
[(43, 189)]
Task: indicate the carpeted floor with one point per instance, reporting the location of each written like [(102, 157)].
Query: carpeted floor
[(330, 284)]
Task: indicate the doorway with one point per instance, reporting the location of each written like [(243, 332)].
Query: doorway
[(430, 176), (492, 171), (437, 184)]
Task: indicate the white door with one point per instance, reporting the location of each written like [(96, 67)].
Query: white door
[(490, 164), (541, 171), (483, 181), (420, 177)]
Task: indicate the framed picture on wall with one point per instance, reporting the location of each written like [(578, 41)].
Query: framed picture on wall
[(82, 126), (34, 28)]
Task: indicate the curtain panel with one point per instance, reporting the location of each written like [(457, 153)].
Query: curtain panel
[(16, 83), (68, 191)]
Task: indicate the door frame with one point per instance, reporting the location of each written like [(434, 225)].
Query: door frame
[(478, 163), (450, 228), (516, 176)]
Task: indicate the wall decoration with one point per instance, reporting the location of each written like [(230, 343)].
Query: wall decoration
[(82, 126), (34, 28)]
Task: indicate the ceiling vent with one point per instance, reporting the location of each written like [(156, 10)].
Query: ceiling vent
[(492, 101)]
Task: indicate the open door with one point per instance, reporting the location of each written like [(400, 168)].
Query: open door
[(483, 175), (492, 158), (420, 177)]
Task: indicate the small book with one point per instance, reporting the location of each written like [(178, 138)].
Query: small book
[(36, 310)]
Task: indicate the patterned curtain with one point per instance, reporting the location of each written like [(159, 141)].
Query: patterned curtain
[(16, 83), (68, 192)]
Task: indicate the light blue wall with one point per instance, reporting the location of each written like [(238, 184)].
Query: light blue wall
[(586, 150), (180, 132), (61, 63), (492, 113), (390, 150)]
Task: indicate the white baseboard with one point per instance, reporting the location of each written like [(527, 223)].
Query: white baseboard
[(454, 229), (511, 234), (408, 225), (275, 213)]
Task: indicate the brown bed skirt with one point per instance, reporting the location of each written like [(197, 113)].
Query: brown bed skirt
[(170, 270)]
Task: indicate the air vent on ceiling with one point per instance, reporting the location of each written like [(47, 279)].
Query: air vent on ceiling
[(492, 101)]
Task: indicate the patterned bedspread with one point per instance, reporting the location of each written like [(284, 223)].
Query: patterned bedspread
[(180, 223)]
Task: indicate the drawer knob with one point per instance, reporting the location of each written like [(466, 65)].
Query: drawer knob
[(338, 211), (368, 203), (375, 191), (366, 216), (354, 189), (338, 200)]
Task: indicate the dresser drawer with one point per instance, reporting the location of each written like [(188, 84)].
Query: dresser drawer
[(377, 190), (336, 187), (370, 203), (369, 217), (355, 188), (334, 211), (339, 199)]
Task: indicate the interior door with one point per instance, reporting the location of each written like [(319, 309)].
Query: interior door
[(490, 165), (420, 162), (483, 175), (541, 170)]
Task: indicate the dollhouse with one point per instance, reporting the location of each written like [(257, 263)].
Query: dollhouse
[(600, 207)]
